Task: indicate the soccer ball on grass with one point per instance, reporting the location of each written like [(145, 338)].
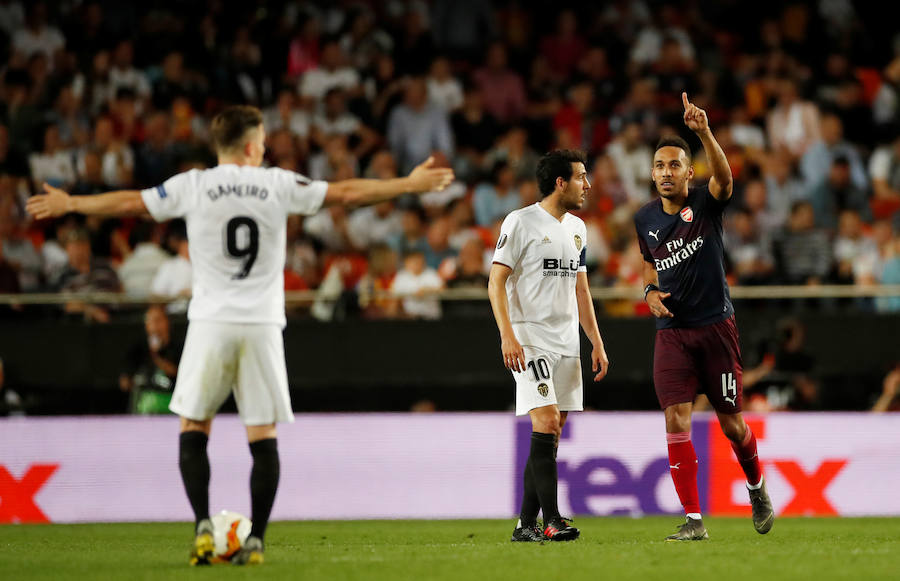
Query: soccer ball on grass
[(230, 530)]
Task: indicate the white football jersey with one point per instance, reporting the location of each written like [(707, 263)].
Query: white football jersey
[(545, 256), (237, 228)]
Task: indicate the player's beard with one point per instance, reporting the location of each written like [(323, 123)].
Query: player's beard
[(572, 201)]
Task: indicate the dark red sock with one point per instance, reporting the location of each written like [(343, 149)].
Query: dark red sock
[(683, 467), (747, 457)]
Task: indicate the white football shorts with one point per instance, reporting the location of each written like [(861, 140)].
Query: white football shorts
[(246, 359), (549, 378)]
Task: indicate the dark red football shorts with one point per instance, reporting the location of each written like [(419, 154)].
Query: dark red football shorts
[(699, 360)]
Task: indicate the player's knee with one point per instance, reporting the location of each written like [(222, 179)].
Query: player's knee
[(547, 422)]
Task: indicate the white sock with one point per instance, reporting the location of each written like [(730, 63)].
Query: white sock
[(756, 486), (693, 515)]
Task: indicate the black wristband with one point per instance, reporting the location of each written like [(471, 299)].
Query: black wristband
[(648, 288)]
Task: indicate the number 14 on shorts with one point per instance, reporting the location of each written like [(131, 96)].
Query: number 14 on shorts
[(729, 386)]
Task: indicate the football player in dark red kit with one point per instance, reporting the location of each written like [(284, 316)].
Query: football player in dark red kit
[(696, 348)]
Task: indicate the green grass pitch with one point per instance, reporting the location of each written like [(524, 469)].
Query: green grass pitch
[(610, 548)]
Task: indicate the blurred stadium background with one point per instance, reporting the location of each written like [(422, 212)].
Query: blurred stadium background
[(99, 95)]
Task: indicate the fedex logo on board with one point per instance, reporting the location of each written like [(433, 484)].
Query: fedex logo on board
[(17, 495), (611, 483)]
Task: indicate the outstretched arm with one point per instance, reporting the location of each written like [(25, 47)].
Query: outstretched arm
[(55, 202), (363, 192), (720, 184), (588, 319)]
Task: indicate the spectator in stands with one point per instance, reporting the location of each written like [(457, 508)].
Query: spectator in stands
[(802, 252), (836, 193), (332, 72), (364, 39), (854, 249), (124, 75), (886, 106), (513, 148), (139, 269), (374, 225), (890, 274), (152, 365), (334, 160), (378, 281), (566, 47), (173, 279), (37, 35), (884, 169), (819, 158), (793, 124), (439, 254), (576, 124), (417, 128), (156, 159), (632, 156), (474, 131), (335, 119), (501, 88), (785, 375), (117, 157), (21, 117), (54, 164), (468, 268), (18, 251), (444, 90), (748, 249), (84, 273), (755, 197), (421, 283), (285, 114), (498, 197), (412, 238)]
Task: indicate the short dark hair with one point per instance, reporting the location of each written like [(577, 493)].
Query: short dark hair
[(229, 127), (674, 141), (556, 164)]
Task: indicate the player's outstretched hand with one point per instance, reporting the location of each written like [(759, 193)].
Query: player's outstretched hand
[(694, 117), (513, 354), (655, 300), (599, 362), (53, 203), (428, 178)]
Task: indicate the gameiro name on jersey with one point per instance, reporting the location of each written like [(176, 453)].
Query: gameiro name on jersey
[(236, 220), (688, 253), (545, 256)]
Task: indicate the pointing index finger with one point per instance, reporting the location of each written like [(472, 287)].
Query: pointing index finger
[(684, 100)]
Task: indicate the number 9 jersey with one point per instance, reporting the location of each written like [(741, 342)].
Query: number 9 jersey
[(236, 220)]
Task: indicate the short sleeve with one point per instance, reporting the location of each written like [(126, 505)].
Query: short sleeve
[(174, 198), (582, 258), (880, 164), (509, 244), (298, 193), (645, 250)]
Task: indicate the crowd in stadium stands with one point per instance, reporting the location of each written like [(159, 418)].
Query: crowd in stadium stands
[(803, 96)]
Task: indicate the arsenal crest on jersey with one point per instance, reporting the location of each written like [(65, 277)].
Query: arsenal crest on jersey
[(687, 214)]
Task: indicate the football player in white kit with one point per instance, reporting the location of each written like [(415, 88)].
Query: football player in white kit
[(539, 293), (236, 221)]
